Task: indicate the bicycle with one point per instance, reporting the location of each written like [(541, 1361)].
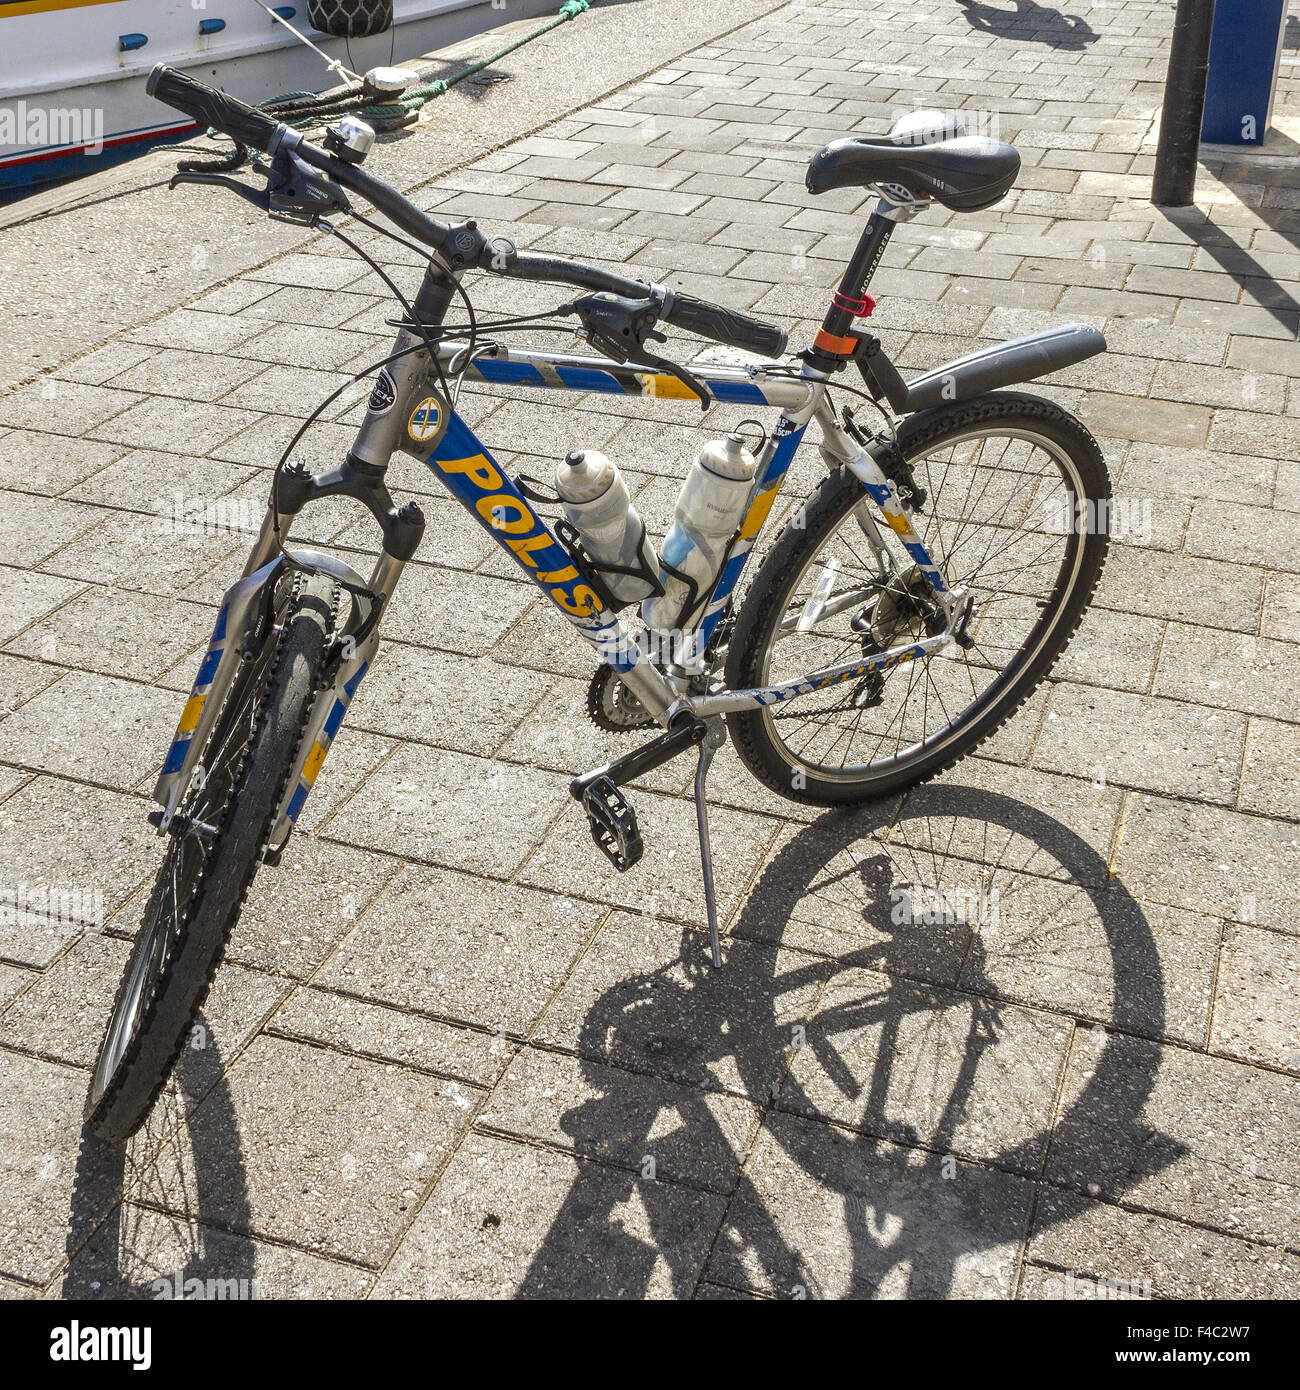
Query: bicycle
[(805, 675)]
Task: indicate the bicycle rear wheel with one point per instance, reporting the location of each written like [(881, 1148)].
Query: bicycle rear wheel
[(1016, 493), (209, 865)]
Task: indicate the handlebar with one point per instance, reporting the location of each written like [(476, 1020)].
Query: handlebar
[(244, 124), (461, 244)]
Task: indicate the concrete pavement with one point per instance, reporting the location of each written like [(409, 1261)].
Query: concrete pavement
[(451, 1052)]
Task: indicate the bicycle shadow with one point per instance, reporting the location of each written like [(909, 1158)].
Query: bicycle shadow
[(120, 1250), (1029, 22), (907, 1229)]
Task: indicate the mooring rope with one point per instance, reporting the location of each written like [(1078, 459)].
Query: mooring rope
[(305, 110)]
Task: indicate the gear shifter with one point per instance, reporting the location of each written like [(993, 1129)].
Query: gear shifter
[(620, 328)]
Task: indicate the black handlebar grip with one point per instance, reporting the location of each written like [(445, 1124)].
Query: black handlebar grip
[(212, 108), (725, 325)]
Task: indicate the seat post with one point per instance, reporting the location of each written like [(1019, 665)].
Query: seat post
[(851, 300)]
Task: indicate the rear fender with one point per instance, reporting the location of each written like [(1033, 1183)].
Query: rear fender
[(1005, 364)]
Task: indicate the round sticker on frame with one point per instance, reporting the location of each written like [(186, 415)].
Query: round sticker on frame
[(428, 422)]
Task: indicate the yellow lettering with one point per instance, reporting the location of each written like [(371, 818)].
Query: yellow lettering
[(522, 545), (584, 601), (485, 477), (489, 508)]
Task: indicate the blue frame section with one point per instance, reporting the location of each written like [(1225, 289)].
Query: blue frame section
[(467, 469)]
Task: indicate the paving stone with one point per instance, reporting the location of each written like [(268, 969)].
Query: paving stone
[(451, 700), (1224, 864), (296, 914), (464, 613), (829, 888), (922, 1065), (88, 847), (31, 461), (1159, 470), (390, 1035), (1084, 1250), (36, 526), (643, 997), (63, 1016), (353, 759), (142, 1254), (463, 949), (1010, 820), (1251, 674), (1132, 417), (54, 1186), (1243, 535), (12, 983), (1117, 650), (189, 427), (597, 1111), (667, 881), (1183, 1135), (25, 597), (822, 1213), (1137, 741), (36, 406), (331, 1153), (511, 1221), (128, 549), (114, 631), (1187, 589), (190, 376), (1256, 1008), (1281, 612), (1141, 966), (452, 809), (127, 740), (164, 485), (1270, 782)]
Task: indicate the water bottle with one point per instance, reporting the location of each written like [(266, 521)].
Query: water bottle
[(596, 502), (710, 506)]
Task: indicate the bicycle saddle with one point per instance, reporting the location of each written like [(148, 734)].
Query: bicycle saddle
[(928, 154)]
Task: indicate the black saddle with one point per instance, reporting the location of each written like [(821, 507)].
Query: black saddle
[(926, 153)]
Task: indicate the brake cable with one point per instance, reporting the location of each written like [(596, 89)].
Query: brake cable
[(428, 345)]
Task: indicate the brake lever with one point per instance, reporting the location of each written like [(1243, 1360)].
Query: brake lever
[(259, 197), (620, 328), (687, 378)]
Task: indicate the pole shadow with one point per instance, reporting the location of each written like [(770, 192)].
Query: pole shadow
[(1229, 248), (907, 1230)]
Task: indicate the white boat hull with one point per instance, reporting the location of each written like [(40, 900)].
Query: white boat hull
[(72, 98)]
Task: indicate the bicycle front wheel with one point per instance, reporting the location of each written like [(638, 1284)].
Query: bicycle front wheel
[(210, 862), (1014, 512)]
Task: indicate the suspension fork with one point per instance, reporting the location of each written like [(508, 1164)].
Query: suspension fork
[(361, 477)]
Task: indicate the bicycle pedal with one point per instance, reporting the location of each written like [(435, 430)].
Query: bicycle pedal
[(613, 823)]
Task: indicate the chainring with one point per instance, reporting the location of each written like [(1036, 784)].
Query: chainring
[(612, 706)]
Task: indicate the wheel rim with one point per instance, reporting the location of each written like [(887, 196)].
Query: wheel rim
[(184, 866), (993, 494)]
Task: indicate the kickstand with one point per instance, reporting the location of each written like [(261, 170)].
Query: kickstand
[(712, 741)]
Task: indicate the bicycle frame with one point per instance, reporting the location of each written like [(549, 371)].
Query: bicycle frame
[(407, 411)]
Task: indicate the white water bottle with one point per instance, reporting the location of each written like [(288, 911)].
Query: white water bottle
[(596, 502), (710, 506)]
